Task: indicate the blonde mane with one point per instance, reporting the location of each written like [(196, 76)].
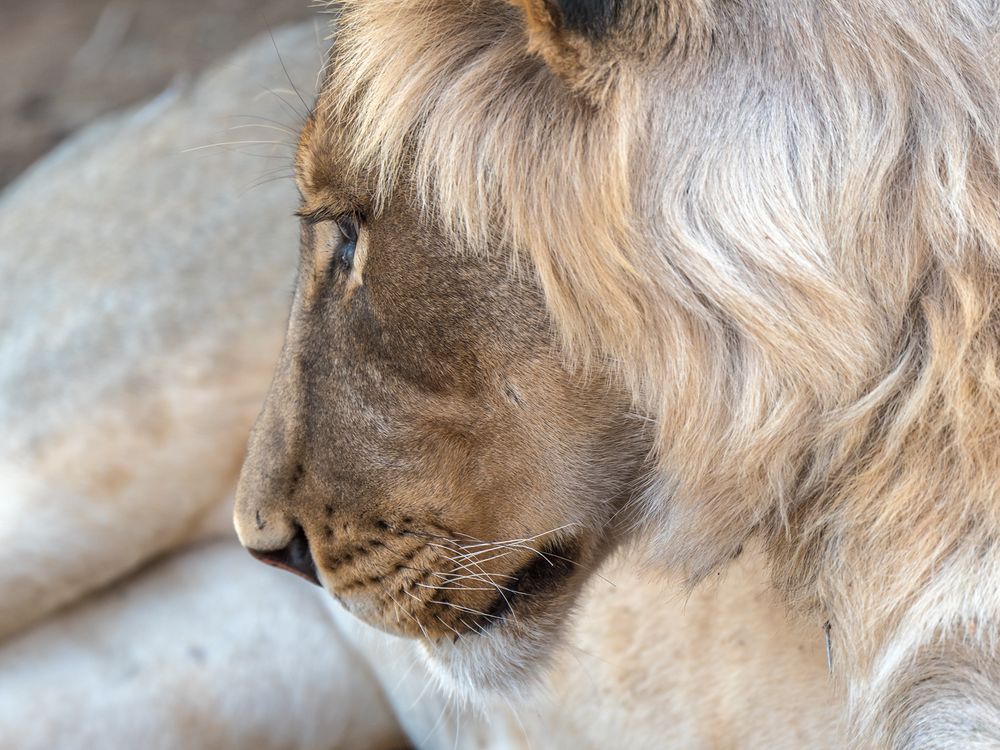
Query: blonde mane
[(780, 222)]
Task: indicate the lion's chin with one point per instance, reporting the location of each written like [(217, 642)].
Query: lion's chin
[(508, 650), (508, 659)]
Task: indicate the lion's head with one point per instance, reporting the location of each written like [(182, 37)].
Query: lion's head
[(426, 452), (775, 221)]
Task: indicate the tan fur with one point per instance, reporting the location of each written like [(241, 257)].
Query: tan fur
[(781, 227)]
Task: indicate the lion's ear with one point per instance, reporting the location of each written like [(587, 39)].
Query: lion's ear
[(591, 43), (590, 18)]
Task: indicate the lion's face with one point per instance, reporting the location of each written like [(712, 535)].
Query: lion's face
[(423, 448)]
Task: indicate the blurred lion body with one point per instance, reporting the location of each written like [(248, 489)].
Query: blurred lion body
[(134, 356), (122, 410), (780, 223)]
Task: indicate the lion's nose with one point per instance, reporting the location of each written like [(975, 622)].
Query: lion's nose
[(295, 557)]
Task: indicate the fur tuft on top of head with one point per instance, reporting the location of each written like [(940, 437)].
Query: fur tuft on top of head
[(781, 222)]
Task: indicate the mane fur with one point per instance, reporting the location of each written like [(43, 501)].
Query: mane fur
[(783, 230)]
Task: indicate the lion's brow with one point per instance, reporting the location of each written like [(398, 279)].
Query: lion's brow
[(318, 215)]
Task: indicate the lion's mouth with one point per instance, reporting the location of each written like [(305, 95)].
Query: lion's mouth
[(545, 573), (527, 591)]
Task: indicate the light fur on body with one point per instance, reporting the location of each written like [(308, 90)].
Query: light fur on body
[(173, 659), (779, 222), (122, 409), (202, 650)]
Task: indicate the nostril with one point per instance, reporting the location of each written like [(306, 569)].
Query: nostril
[(295, 557)]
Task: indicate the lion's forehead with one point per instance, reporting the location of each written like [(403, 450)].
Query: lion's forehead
[(327, 177)]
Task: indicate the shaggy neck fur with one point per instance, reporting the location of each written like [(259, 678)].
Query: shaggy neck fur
[(782, 228)]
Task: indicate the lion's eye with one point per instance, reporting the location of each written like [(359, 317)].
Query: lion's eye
[(348, 240)]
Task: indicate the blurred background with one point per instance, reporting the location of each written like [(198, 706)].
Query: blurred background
[(67, 62)]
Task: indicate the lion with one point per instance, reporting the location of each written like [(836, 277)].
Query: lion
[(766, 237), (145, 288)]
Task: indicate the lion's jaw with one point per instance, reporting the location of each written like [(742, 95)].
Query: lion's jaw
[(501, 639), (510, 655), (508, 660)]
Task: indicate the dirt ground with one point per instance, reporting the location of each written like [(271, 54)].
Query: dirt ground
[(64, 63)]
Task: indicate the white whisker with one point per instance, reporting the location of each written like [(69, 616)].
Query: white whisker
[(223, 144)]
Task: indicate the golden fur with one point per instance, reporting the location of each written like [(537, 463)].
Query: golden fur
[(779, 222)]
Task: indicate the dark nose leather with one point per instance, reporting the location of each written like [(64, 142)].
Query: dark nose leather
[(295, 558)]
